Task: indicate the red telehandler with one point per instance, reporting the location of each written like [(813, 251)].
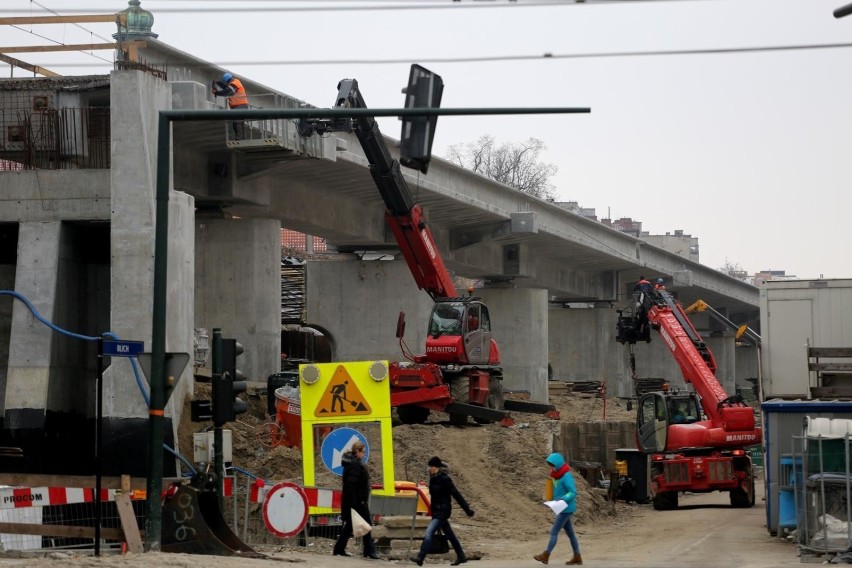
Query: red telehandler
[(697, 440), (460, 372)]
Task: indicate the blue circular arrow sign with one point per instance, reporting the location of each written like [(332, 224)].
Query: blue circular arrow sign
[(337, 443)]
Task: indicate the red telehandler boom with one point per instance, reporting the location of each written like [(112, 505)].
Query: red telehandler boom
[(460, 372), (697, 440)]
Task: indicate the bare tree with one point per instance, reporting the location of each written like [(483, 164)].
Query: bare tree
[(516, 165), (734, 270)]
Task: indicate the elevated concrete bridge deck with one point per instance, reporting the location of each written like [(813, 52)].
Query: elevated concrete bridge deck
[(79, 243)]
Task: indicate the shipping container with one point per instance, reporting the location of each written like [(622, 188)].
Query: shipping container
[(796, 315)]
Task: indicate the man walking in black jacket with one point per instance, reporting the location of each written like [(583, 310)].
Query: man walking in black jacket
[(442, 491)]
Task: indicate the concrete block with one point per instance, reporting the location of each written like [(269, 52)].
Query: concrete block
[(404, 522)]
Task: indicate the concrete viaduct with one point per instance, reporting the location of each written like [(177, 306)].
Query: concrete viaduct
[(78, 243)]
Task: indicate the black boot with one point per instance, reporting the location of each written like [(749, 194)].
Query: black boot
[(417, 560), (459, 560)]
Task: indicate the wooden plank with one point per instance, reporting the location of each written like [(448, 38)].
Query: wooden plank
[(829, 366), (68, 47), (128, 523), (830, 352), (84, 481), (60, 530), (28, 67), (831, 392), (80, 19)]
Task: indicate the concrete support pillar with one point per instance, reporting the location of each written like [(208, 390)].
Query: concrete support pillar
[(135, 104), (31, 343), (238, 273), (724, 351), (519, 322)]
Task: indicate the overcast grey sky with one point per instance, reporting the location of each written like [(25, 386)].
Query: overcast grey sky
[(746, 151)]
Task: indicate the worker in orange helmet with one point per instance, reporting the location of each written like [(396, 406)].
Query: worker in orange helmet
[(233, 89)]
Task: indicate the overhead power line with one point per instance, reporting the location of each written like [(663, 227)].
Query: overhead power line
[(498, 58), (414, 5)]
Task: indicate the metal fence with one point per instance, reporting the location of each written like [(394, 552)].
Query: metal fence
[(55, 139), (65, 520), (821, 479)]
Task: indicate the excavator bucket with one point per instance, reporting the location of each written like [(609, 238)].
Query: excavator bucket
[(193, 524)]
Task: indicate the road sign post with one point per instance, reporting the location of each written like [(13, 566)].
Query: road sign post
[(106, 348)]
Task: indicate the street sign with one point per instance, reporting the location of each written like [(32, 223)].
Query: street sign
[(285, 509), (116, 348), (337, 443), (175, 364)]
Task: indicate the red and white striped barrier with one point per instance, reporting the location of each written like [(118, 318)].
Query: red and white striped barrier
[(330, 498), (257, 491), (18, 497)]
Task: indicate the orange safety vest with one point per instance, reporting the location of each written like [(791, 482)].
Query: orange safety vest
[(239, 98)]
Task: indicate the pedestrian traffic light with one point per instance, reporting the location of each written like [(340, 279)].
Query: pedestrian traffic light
[(229, 384), (424, 90)]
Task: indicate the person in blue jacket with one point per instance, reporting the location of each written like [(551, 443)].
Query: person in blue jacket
[(564, 489)]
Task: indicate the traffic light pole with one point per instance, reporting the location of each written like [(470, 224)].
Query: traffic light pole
[(156, 413), (218, 461)]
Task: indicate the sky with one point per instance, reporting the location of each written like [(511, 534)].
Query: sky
[(748, 151)]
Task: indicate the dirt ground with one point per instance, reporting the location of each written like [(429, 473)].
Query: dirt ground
[(499, 470)]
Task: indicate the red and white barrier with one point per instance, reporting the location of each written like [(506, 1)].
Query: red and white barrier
[(18, 497), (330, 498), (257, 490)]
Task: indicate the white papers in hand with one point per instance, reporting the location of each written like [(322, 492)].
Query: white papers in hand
[(556, 506)]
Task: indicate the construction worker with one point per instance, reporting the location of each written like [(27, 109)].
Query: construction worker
[(233, 89), (643, 285), (659, 285), (640, 293)]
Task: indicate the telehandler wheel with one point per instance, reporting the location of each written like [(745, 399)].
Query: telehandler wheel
[(460, 391), (743, 498), (665, 501), (494, 400), (411, 414)]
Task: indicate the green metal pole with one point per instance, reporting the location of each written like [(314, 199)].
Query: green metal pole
[(156, 412), (154, 515), (218, 460), (256, 114)]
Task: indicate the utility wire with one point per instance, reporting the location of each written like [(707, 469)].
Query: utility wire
[(446, 5), (498, 58), (55, 13)]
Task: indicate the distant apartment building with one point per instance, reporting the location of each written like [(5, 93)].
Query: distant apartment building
[(574, 207), (766, 275), (677, 243), (625, 225)]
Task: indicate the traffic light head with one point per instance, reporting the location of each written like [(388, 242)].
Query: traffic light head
[(228, 385), (424, 90)]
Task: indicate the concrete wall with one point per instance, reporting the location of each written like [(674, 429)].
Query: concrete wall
[(356, 304), (32, 343), (238, 288), (7, 282), (594, 441), (47, 195), (583, 348)]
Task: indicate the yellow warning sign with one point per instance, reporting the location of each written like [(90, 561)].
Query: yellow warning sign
[(339, 393), (342, 397)]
